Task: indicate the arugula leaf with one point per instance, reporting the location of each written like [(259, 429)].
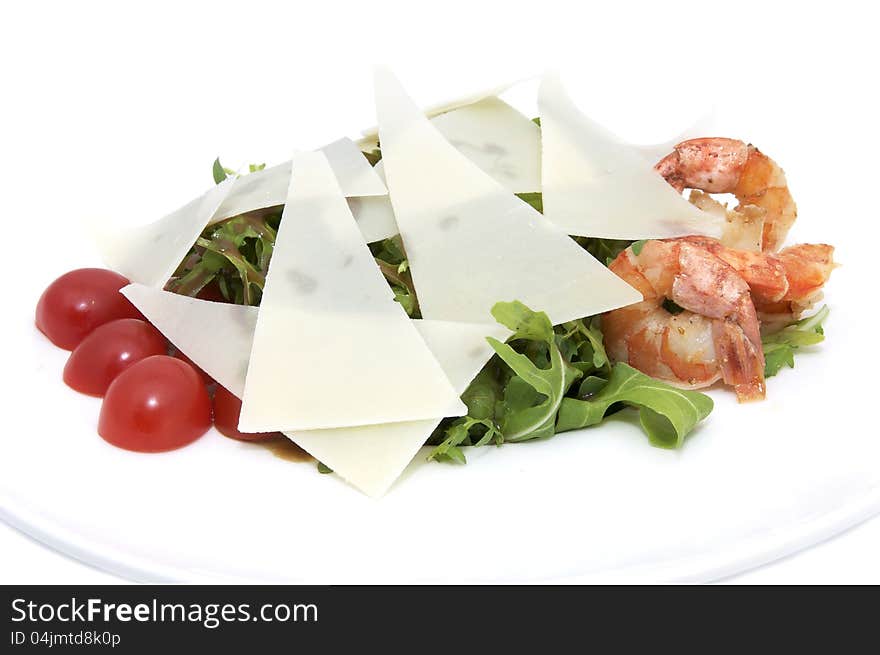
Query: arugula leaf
[(483, 394), (666, 414), (590, 386), (777, 355), (533, 396), (779, 347), (672, 307), (391, 259), (374, 156), (218, 171), (461, 432), (605, 250), (235, 253), (587, 342), (190, 281), (478, 427), (535, 199)]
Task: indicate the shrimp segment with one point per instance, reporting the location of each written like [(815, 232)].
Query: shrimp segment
[(807, 268), (783, 285), (720, 165), (764, 273), (716, 336)]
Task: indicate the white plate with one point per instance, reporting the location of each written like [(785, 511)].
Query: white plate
[(754, 483)]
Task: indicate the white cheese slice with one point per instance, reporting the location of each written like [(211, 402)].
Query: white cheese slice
[(353, 171), (372, 457), (374, 216), (596, 185), (704, 125), (370, 136), (268, 187), (369, 457), (216, 336), (497, 138), (472, 243), (150, 253), (332, 348), (492, 134)]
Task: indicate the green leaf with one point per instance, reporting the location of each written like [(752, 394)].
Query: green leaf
[(253, 168), (407, 300), (218, 171), (533, 396), (637, 247), (374, 156), (605, 250), (586, 337), (590, 386), (535, 199), (462, 432), (672, 307), (236, 253), (537, 121), (526, 390), (522, 321), (391, 259), (667, 414), (483, 394), (779, 347), (777, 355), (323, 468)]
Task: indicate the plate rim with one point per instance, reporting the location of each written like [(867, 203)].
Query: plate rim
[(741, 557)]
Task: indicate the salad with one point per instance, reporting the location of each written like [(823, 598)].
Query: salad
[(461, 277)]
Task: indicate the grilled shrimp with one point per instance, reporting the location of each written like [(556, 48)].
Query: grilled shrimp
[(720, 165), (711, 331), (807, 268), (783, 285)]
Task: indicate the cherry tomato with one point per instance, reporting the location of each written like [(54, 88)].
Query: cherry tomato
[(211, 292), (78, 302), (108, 350), (154, 405), (207, 379), (227, 408)]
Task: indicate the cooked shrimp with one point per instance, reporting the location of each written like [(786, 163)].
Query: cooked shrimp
[(715, 336), (784, 284), (743, 226), (807, 268), (763, 272), (719, 165)]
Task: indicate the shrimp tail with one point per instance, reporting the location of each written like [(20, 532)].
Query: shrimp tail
[(741, 361)]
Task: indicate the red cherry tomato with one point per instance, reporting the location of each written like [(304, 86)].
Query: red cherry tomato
[(207, 379), (157, 404), (78, 302), (227, 408), (108, 350), (211, 292)]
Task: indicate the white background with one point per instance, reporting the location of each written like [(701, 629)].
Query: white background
[(114, 105)]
